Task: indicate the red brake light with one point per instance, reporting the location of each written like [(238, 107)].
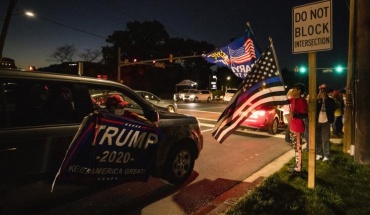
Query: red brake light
[(259, 113)]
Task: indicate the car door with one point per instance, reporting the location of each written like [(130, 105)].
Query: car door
[(34, 136), (123, 143)]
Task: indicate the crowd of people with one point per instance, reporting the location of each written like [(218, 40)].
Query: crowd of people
[(329, 120)]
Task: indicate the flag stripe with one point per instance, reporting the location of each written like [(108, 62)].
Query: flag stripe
[(263, 86), (241, 52)]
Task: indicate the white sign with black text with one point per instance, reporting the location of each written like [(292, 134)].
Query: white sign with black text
[(312, 27)]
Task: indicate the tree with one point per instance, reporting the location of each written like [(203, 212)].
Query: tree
[(149, 40), (63, 54), (90, 55)]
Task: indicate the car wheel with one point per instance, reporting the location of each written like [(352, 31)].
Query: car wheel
[(196, 99), (274, 126), (179, 164), (171, 109), (209, 99)]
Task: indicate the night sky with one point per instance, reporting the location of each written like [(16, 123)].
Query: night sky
[(31, 40)]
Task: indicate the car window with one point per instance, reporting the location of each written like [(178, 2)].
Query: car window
[(33, 103), (149, 96), (100, 95)]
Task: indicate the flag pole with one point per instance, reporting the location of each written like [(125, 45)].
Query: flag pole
[(276, 60)]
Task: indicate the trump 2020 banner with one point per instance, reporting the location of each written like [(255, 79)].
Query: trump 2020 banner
[(109, 148), (239, 55)]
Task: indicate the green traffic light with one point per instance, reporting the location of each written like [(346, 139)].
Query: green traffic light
[(339, 69), (302, 69)]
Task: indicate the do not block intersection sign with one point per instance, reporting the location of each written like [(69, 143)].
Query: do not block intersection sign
[(312, 27)]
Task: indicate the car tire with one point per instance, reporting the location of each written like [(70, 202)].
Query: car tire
[(179, 164), (274, 127), (196, 99)]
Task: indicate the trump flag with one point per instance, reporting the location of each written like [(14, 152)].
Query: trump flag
[(239, 55), (263, 86)]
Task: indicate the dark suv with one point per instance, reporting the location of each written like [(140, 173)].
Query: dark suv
[(36, 128)]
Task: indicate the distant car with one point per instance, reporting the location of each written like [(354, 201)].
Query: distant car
[(180, 95), (266, 119), (170, 105), (229, 93), (198, 96)]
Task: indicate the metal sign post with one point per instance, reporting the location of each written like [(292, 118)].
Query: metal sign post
[(312, 32)]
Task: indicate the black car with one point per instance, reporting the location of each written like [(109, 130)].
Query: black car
[(40, 113)]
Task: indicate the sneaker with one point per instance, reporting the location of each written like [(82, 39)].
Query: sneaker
[(295, 170), (318, 157), (325, 159)]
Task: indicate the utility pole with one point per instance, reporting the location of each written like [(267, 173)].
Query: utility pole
[(4, 30), (362, 80), (349, 116)]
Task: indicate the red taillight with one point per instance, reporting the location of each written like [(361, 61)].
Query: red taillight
[(259, 113)]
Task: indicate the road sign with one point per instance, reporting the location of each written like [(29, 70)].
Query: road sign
[(312, 27)]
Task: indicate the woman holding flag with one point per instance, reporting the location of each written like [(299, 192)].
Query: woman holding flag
[(298, 112)]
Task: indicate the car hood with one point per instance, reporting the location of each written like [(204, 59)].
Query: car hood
[(174, 118)]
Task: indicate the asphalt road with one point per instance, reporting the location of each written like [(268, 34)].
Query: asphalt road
[(219, 168)]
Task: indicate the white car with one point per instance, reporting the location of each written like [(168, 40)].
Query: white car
[(170, 105), (180, 95), (229, 93), (198, 96)]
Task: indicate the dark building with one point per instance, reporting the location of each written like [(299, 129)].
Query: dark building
[(7, 63)]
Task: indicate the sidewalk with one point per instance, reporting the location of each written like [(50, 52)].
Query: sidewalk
[(231, 197)]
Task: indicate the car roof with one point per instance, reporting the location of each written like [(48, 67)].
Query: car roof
[(55, 76)]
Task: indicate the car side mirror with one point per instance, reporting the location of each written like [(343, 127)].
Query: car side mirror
[(153, 115)]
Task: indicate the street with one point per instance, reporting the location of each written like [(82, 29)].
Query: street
[(219, 168)]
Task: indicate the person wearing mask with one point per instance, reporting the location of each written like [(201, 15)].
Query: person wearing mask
[(116, 104), (325, 107), (298, 112)]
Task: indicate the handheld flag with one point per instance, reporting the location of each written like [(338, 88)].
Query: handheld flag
[(239, 55), (263, 86), (109, 148)]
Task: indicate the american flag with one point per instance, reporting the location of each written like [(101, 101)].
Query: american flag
[(243, 54), (263, 86), (239, 55)]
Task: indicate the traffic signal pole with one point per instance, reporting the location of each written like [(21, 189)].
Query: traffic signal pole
[(123, 63), (349, 117)]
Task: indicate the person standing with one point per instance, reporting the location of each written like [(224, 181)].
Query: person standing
[(305, 120), (298, 112), (325, 107), (338, 113), (286, 114)]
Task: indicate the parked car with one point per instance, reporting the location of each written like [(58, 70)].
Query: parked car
[(229, 93), (198, 96), (267, 118), (180, 95), (40, 114), (170, 105)]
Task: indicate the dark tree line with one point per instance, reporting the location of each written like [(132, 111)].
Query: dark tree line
[(149, 40)]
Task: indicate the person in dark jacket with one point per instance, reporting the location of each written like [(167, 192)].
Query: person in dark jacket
[(325, 107)]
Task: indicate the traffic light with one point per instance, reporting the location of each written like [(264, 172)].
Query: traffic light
[(302, 69), (339, 69), (171, 58)]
